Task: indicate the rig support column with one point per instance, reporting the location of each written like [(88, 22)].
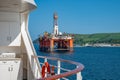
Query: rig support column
[(71, 44), (51, 45)]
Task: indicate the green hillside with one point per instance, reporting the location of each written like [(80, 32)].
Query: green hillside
[(112, 38)]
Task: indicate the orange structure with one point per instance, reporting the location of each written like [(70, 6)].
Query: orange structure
[(56, 40), (56, 43)]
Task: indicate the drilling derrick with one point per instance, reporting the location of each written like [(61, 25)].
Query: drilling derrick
[(55, 24)]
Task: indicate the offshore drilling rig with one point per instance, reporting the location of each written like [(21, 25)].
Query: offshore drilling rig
[(56, 41)]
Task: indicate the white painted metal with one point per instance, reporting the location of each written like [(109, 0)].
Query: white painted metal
[(11, 38), (45, 60), (4, 71), (79, 76), (17, 5), (10, 69), (35, 68), (27, 42), (56, 32), (14, 37), (7, 55), (10, 29), (58, 71)]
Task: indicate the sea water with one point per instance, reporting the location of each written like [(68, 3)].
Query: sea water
[(101, 63)]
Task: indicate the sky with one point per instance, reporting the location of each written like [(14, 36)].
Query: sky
[(75, 16)]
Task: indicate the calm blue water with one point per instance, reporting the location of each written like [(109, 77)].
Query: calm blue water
[(101, 63)]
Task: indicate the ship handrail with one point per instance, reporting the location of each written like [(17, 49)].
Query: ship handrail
[(77, 70), (56, 67)]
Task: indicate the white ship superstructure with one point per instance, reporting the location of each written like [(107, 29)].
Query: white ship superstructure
[(18, 59), (15, 45)]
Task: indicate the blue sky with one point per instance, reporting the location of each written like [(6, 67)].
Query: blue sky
[(75, 16)]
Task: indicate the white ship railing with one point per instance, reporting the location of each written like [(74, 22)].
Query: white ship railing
[(61, 72)]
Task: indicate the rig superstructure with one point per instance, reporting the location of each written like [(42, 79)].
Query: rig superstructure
[(56, 40)]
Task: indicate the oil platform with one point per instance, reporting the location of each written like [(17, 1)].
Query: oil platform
[(56, 41)]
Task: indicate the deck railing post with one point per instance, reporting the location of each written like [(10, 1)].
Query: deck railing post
[(45, 60), (58, 71), (79, 76)]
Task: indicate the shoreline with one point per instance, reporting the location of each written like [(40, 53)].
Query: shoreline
[(96, 46)]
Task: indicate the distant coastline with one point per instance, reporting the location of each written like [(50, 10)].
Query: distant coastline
[(98, 45), (94, 40)]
